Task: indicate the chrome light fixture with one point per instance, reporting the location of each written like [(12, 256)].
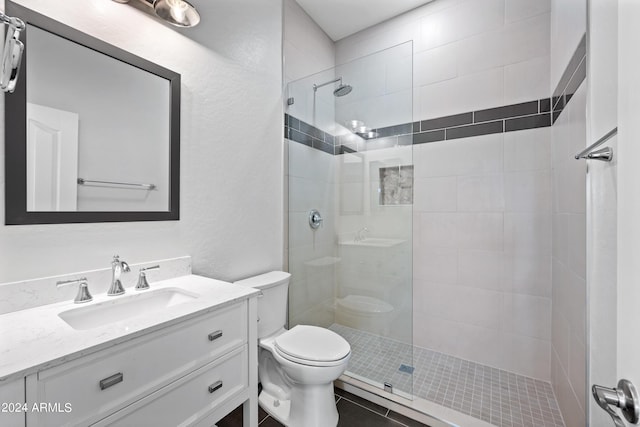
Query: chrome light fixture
[(179, 13)]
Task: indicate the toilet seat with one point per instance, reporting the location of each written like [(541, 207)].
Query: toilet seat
[(313, 346)]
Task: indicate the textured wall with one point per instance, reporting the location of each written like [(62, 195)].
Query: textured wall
[(231, 146)]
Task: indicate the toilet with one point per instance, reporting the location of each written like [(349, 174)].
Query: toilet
[(296, 367)]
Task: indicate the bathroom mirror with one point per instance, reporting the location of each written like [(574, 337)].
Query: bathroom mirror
[(92, 132)]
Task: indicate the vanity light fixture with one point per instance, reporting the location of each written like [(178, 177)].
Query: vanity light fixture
[(179, 13)]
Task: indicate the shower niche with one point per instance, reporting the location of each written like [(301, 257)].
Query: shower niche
[(348, 136)]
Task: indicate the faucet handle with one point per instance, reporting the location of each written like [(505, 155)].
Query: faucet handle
[(83, 294), (143, 284), (116, 261)]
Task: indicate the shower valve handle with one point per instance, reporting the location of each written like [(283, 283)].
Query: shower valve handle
[(315, 219)]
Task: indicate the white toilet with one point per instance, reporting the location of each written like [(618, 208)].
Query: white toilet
[(296, 367)]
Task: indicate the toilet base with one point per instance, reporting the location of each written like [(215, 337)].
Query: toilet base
[(314, 406), (280, 412)]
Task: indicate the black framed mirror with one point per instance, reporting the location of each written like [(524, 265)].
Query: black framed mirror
[(92, 132)]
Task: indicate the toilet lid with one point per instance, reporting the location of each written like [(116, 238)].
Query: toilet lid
[(312, 344)]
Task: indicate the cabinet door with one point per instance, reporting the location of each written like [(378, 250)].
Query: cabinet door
[(12, 403)]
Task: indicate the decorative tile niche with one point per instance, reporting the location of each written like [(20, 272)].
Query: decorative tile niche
[(396, 185)]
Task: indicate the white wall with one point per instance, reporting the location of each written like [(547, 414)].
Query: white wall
[(482, 208), (309, 58), (307, 49), (468, 54), (569, 265), (231, 147)]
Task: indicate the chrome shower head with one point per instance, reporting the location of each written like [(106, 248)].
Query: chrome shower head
[(342, 90)]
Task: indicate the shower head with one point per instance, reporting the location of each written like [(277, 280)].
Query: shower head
[(341, 90)]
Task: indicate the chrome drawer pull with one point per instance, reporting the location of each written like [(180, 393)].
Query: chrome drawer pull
[(215, 335), (110, 381), (215, 386)]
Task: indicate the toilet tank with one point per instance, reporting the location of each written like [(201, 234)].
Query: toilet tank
[(272, 304)]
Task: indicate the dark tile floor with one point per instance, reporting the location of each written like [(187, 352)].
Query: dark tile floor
[(354, 411)]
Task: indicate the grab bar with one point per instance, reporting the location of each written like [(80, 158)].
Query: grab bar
[(83, 181), (604, 154)]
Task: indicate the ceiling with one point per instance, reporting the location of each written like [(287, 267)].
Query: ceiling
[(341, 18)]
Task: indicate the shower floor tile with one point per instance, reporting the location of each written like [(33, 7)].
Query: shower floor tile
[(493, 395)]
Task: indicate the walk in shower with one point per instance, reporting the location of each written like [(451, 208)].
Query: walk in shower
[(370, 194), (350, 185)]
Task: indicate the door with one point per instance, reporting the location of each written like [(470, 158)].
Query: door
[(52, 159), (614, 202)]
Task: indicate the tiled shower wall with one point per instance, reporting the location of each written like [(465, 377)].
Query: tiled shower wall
[(482, 208), (569, 135)]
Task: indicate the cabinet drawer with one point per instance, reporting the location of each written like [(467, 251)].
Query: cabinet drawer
[(189, 399), (105, 382)]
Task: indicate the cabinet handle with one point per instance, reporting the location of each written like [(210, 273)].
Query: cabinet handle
[(215, 386), (215, 335), (110, 381)]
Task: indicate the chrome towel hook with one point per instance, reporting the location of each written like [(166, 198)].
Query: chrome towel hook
[(604, 154)]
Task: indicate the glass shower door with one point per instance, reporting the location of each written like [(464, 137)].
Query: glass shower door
[(350, 157)]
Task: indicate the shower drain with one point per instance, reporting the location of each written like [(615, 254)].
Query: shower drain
[(406, 368)]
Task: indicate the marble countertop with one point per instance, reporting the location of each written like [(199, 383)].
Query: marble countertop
[(37, 338)]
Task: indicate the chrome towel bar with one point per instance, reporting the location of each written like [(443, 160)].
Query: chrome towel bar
[(605, 154), (83, 181)]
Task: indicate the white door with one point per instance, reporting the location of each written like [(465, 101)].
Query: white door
[(52, 159), (614, 298)]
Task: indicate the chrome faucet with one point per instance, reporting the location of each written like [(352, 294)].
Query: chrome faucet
[(360, 234), (117, 268)]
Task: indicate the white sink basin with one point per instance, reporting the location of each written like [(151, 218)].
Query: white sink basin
[(375, 242), (124, 307)]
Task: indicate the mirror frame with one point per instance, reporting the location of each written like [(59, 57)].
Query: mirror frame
[(16, 133)]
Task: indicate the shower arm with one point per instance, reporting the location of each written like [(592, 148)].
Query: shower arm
[(315, 86)]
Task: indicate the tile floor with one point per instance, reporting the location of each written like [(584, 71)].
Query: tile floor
[(499, 397), (354, 412)]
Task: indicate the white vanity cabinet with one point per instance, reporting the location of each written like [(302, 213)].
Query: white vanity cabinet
[(12, 403), (190, 373)]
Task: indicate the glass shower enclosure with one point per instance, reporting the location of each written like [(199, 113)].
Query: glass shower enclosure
[(350, 196)]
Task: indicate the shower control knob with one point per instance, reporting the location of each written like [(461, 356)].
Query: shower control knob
[(315, 219)]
